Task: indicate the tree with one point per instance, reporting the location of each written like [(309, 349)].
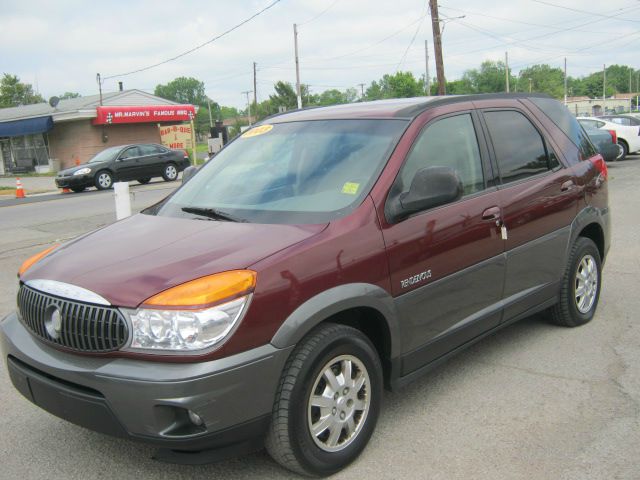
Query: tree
[(398, 85), (14, 93), (336, 97), (183, 90), (544, 79), (67, 95), (285, 96), (490, 78)]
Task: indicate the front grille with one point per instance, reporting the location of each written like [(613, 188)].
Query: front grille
[(82, 327)]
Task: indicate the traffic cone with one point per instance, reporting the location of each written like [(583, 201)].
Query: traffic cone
[(19, 189), (66, 190)]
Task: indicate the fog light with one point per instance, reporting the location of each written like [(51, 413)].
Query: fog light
[(195, 418)]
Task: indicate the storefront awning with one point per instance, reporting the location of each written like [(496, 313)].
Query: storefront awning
[(28, 126), (144, 114)]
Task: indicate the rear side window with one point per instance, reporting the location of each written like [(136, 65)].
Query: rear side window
[(130, 153), (621, 121), (560, 115), (519, 148), (449, 142)]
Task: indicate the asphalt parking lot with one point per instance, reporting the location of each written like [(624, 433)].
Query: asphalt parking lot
[(533, 401)]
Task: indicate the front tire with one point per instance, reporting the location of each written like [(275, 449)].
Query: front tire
[(327, 403), (170, 172), (103, 180), (144, 181), (580, 285), (78, 189)]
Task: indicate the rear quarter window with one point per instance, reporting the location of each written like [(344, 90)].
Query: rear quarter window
[(566, 122)]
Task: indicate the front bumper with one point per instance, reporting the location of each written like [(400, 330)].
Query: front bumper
[(74, 181), (144, 400)]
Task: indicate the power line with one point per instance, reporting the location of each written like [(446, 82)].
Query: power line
[(585, 11), (319, 15), (410, 43), (226, 32)]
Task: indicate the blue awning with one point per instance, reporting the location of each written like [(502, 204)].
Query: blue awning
[(28, 126)]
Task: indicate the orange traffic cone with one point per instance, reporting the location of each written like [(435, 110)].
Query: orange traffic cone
[(66, 190), (19, 189)]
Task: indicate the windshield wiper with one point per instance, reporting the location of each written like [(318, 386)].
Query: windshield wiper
[(212, 213)]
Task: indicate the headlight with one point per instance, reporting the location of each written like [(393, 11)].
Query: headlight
[(82, 171), (185, 331), (192, 316)]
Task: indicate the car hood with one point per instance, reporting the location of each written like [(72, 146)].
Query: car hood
[(131, 260), (70, 171)]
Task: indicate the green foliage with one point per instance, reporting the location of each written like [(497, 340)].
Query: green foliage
[(14, 93), (544, 79), (490, 78), (183, 90), (398, 85), (67, 95), (336, 97)]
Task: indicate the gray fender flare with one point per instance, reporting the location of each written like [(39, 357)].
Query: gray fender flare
[(587, 216), (335, 300)]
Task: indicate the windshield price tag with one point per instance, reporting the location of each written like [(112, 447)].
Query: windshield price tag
[(350, 188), (254, 132)]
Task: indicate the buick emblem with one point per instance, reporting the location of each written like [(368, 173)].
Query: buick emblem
[(53, 322)]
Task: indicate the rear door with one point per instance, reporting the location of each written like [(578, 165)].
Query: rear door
[(151, 161), (539, 197), (446, 263)]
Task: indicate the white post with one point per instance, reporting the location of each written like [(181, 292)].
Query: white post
[(123, 202)]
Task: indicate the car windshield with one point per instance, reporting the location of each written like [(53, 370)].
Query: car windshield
[(105, 155), (298, 172)]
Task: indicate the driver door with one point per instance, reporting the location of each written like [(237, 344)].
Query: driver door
[(128, 164), (446, 263)]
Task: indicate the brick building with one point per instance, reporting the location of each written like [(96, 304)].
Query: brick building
[(43, 138)]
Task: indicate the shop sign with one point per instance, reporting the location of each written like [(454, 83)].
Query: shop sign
[(144, 114), (176, 136)]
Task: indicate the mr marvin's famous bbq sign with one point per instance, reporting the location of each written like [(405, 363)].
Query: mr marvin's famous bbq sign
[(145, 114)]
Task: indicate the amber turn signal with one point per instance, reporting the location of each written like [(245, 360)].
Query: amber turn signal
[(207, 290), (35, 258)]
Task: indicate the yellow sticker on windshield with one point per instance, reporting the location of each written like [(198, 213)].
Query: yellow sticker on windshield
[(254, 132), (350, 188)]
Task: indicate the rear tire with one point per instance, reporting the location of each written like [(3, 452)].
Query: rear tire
[(625, 151), (327, 402), (580, 285)]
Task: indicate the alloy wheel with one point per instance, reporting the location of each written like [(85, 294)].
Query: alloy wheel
[(339, 403), (586, 284)]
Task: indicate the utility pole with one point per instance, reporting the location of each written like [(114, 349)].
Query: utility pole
[(530, 84), (295, 43), (255, 88), (99, 86), (565, 81), (506, 71), (437, 46), (248, 105), (604, 88), (427, 78), (210, 116), (361, 85)]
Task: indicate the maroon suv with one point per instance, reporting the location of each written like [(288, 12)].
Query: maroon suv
[(321, 256)]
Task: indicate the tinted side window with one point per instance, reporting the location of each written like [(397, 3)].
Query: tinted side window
[(560, 115), (519, 148), (130, 153), (450, 142)]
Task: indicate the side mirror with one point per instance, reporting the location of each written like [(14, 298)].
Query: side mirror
[(188, 172), (430, 187)]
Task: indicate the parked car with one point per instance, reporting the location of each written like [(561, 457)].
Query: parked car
[(323, 255), (629, 120), (606, 142), (628, 136), (122, 164)]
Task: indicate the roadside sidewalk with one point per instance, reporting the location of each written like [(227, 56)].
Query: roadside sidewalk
[(31, 185)]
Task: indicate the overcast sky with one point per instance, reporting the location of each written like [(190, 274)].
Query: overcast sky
[(59, 46)]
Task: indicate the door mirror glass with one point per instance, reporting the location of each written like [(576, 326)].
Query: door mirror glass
[(430, 187)]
